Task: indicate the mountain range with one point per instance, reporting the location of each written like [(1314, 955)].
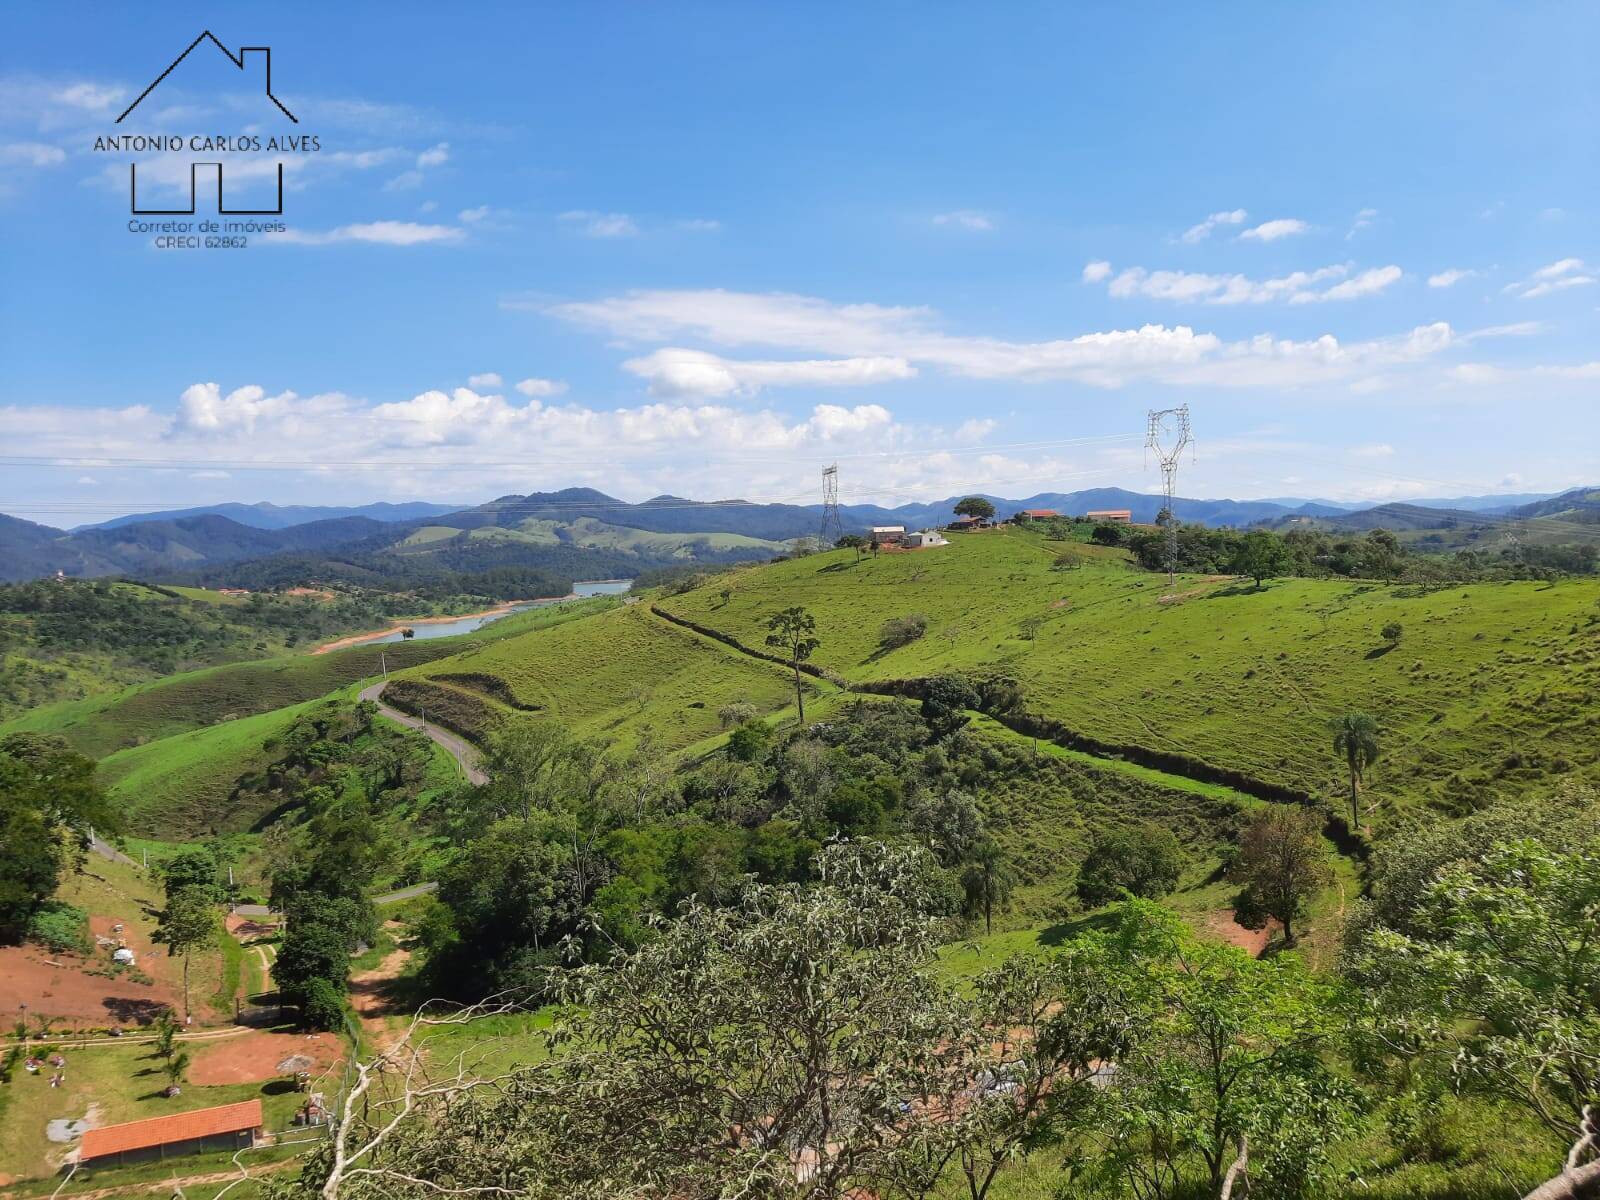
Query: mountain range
[(620, 536)]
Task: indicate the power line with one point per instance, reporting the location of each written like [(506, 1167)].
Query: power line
[(1167, 434), (831, 522)]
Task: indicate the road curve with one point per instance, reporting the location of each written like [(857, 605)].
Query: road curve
[(463, 751)]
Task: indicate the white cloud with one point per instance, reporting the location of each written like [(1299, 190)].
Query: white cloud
[(471, 215), (404, 182), (965, 218), (1364, 220), (1557, 276), (700, 225), (541, 387), (1376, 450), (382, 233), (1484, 374), (677, 372), (1173, 355), (1272, 231), (203, 410), (435, 156), (602, 225), (1450, 277), (31, 154), (1299, 287), (489, 379), (93, 97), (1199, 233)]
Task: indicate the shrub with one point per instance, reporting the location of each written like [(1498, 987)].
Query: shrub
[(749, 742), (1144, 861), (60, 927), (1391, 632), (323, 1007), (902, 631), (739, 712)]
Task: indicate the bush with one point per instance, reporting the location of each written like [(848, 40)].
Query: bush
[(323, 1007), (1144, 862), (738, 712), (1391, 632), (60, 927), (902, 631), (749, 742)]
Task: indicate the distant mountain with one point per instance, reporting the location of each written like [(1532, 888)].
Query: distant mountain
[(264, 515), (1143, 506), (1581, 505), (1397, 518)]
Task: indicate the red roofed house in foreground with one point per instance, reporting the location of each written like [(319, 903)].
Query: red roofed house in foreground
[(226, 1127)]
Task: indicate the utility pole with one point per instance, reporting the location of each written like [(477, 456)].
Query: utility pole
[(383, 661), (832, 528), (1168, 435)]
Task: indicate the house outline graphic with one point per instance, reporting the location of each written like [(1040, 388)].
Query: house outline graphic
[(238, 60)]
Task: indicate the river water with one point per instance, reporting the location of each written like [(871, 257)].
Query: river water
[(438, 629)]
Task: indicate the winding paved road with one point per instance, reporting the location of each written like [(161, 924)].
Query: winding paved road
[(463, 751)]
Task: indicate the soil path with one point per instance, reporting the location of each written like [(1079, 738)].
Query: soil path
[(463, 751)]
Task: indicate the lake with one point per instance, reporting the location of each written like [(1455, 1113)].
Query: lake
[(582, 589)]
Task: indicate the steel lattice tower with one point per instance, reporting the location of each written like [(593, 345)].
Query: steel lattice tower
[(1168, 435), (832, 524)]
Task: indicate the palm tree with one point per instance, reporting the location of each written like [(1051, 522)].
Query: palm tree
[(175, 1068), (1355, 736), (988, 880)]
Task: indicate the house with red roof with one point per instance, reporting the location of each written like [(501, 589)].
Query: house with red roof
[(226, 1127)]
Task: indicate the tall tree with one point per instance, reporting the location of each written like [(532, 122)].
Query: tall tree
[(1355, 739), (1261, 555), (794, 632), (1282, 865), (974, 506), (987, 880), (187, 922)]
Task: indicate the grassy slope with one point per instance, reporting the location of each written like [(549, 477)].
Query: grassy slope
[(619, 672), (1240, 678), (178, 703)]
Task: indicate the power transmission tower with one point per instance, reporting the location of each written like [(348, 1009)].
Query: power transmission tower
[(832, 524), (1168, 435)]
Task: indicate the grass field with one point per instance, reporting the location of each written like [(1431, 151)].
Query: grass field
[(619, 672), (104, 724), (1492, 688)]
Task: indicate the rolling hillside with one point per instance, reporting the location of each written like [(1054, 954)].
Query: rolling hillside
[(1491, 689)]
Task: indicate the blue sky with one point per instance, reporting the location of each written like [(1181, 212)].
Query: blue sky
[(719, 246)]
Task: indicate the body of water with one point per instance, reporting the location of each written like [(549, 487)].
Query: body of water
[(438, 629)]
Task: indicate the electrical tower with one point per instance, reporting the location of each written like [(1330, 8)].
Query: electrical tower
[(1168, 435), (832, 524)]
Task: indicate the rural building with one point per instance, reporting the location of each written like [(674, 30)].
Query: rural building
[(226, 1127), (924, 539), (886, 535), (1111, 516), (968, 523), (1037, 514)]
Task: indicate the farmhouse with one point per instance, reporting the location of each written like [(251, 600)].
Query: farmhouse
[(226, 1127), (1111, 516), (1037, 514), (968, 522), (886, 535), (924, 539)]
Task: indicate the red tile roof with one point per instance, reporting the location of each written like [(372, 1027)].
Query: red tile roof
[(163, 1131), (1040, 512)]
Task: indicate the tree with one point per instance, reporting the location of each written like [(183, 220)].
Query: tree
[(531, 766), (322, 1005), (1261, 555), (175, 1068), (1380, 555), (1230, 1076), (188, 921), (1355, 737), (312, 950), (49, 800), (1282, 864), (749, 742), (794, 632), (987, 880), (736, 713), (166, 1034), (852, 541), (192, 868), (1143, 861), (1107, 535), (975, 506), (1497, 990), (945, 703), (1392, 632)]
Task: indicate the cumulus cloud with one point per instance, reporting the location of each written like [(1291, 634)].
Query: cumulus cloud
[(435, 156), (965, 218), (1200, 232), (1556, 277), (1450, 277), (1272, 231), (381, 233), (677, 372), (1112, 358), (1299, 287), (471, 215), (601, 225), (541, 387), (489, 379)]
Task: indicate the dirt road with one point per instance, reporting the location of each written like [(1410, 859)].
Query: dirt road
[(463, 751)]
